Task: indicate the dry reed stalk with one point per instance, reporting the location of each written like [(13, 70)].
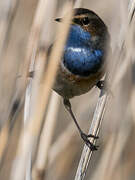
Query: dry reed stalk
[(8, 11), (37, 66), (40, 58), (31, 132), (94, 129), (132, 20), (35, 34), (78, 3), (34, 37), (9, 66), (132, 104), (4, 135), (46, 138), (7, 17)]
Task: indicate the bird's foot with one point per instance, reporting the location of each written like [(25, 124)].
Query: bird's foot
[(101, 84), (87, 141)]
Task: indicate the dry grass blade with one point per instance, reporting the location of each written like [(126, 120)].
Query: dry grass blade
[(94, 129)]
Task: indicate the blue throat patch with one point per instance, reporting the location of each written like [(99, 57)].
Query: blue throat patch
[(80, 57)]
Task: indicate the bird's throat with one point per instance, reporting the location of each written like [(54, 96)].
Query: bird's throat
[(80, 56)]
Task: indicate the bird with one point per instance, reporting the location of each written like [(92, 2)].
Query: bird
[(83, 61)]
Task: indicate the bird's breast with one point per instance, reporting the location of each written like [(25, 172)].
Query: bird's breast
[(69, 85), (82, 61), (81, 65)]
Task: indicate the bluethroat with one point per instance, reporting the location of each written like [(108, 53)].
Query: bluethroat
[(83, 61)]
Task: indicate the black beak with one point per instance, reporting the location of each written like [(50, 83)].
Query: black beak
[(58, 19)]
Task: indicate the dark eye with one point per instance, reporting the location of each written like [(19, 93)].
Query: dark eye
[(85, 21)]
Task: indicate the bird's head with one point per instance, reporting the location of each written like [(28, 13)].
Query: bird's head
[(88, 20)]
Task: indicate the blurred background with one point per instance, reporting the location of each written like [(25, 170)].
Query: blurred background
[(115, 158)]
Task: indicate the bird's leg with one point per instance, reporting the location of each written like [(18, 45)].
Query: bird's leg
[(84, 136)]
